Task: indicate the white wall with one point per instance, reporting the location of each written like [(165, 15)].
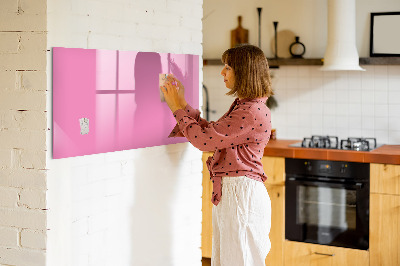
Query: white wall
[(136, 207), (23, 132), (311, 102), (305, 18)]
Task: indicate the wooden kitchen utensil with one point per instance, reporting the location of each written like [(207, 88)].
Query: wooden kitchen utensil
[(239, 35)]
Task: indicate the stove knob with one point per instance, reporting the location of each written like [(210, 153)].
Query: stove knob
[(308, 166), (343, 168)]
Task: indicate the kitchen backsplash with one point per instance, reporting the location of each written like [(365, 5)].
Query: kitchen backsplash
[(314, 102)]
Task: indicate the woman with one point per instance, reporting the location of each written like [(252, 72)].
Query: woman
[(242, 208)]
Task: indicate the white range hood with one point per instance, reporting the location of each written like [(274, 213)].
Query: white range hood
[(341, 51)]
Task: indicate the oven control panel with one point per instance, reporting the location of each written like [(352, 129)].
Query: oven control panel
[(337, 169)]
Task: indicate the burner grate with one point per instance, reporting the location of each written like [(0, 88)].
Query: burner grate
[(332, 142), (327, 142), (358, 144)]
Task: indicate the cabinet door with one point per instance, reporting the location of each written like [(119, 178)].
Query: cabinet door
[(384, 229), (206, 232), (385, 178), (274, 168), (277, 233), (305, 254)]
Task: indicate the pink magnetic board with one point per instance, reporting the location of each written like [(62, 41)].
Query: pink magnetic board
[(106, 100)]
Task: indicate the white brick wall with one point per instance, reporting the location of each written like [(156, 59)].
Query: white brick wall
[(23, 125), (136, 207)]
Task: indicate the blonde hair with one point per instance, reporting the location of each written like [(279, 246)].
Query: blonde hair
[(250, 66)]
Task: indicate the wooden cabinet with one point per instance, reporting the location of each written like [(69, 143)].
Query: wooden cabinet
[(277, 233), (305, 254), (385, 178), (384, 221), (274, 168), (385, 215), (206, 226)]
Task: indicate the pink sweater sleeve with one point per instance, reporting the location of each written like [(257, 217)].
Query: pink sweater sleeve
[(195, 114), (231, 130)]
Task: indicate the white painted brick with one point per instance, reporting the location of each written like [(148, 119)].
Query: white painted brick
[(191, 22), (35, 120), (196, 10), (179, 7), (168, 19), (9, 42), (79, 176), (107, 41), (104, 10), (114, 186), (15, 158), (24, 22), (9, 237), (128, 168), (191, 48), (80, 227), (97, 173), (153, 32), (5, 159), (23, 100), (98, 222), (22, 218), (17, 256), (8, 197), (179, 34), (93, 159), (197, 166), (8, 6), (33, 7), (196, 38), (33, 239), (31, 54), (149, 6), (33, 159), (31, 80), (164, 46), (23, 178), (33, 199), (8, 80), (25, 139)]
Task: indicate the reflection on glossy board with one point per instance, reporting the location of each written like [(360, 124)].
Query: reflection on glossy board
[(118, 92)]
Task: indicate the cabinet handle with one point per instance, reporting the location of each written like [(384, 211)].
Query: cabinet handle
[(325, 254)]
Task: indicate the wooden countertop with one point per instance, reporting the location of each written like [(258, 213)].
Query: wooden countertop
[(389, 154)]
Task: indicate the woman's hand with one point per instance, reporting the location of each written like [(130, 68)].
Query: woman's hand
[(181, 91), (172, 95), (180, 87)]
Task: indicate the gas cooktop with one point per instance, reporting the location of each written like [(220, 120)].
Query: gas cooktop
[(332, 142)]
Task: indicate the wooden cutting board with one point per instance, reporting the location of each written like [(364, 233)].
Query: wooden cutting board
[(239, 35)]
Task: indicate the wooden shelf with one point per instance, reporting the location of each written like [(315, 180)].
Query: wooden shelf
[(273, 63), (380, 61)]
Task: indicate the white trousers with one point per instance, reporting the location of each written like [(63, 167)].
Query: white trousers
[(241, 223)]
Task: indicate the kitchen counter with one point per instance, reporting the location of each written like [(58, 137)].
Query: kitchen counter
[(389, 154)]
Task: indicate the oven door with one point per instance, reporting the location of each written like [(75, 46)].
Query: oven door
[(327, 213)]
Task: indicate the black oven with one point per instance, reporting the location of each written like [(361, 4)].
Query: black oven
[(327, 202)]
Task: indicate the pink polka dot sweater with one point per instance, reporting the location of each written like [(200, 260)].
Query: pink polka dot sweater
[(238, 139)]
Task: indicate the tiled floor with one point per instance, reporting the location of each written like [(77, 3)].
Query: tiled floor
[(206, 261)]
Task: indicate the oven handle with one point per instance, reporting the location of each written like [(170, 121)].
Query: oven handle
[(357, 185)]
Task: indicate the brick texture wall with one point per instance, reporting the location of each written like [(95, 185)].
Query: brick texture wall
[(135, 207), (23, 129)]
